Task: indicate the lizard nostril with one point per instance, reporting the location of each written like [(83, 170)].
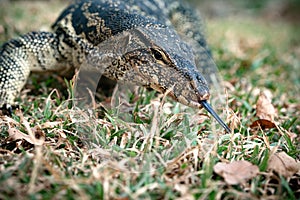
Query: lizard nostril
[(203, 93)]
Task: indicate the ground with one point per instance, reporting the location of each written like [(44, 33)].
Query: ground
[(141, 145)]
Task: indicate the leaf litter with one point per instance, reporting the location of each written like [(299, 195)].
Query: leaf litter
[(283, 164), (237, 172), (69, 166), (265, 111)]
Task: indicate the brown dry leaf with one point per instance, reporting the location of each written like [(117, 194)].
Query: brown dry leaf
[(283, 164), (15, 134), (263, 123), (265, 108), (236, 172)]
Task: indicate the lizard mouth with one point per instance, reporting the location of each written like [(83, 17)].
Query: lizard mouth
[(200, 103)]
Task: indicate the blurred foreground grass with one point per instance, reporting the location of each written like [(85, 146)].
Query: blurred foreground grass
[(150, 147)]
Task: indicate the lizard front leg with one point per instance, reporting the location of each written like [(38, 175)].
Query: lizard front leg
[(35, 51)]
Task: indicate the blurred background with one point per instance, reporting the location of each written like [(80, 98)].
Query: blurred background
[(282, 10)]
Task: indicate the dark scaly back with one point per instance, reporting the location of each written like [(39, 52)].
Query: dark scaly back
[(97, 20), (86, 24)]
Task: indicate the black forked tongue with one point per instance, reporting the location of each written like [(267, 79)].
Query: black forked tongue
[(208, 107)]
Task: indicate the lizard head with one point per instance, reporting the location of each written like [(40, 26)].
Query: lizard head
[(163, 71), (159, 59)]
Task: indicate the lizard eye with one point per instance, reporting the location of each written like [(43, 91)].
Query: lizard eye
[(157, 55)]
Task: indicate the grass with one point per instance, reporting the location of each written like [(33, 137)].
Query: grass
[(146, 146)]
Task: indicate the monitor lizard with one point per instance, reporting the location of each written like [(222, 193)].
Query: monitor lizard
[(153, 43)]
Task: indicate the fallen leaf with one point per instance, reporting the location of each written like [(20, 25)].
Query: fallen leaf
[(15, 134), (263, 123), (236, 172), (265, 108), (283, 164)]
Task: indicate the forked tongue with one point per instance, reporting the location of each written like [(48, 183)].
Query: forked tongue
[(208, 107)]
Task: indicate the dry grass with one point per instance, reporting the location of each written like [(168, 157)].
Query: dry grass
[(147, 146)]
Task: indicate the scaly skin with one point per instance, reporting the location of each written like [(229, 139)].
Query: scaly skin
[(153, 43)]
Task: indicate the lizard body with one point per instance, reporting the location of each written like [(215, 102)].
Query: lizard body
[(153, 43)]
